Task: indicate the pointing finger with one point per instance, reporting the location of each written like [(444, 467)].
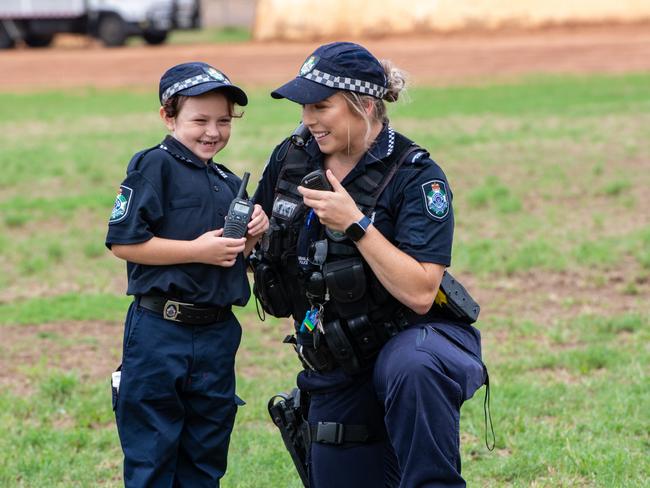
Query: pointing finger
[(333, 181)]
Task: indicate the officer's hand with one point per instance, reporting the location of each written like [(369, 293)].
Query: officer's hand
[(259, 222), (211, 248), (335, 209)]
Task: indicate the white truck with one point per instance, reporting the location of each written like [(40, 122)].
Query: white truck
[(36, 22)]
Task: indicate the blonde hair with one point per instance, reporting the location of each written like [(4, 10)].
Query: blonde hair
[(396, 83)]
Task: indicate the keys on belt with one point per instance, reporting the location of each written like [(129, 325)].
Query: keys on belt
[(184, 313)]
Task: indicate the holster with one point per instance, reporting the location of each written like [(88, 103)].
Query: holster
[(289, 414)]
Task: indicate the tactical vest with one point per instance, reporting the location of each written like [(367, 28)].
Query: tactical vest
[(302, 267)]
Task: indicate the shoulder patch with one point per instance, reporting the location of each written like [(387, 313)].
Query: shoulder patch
[(436, 199), (121, 206)]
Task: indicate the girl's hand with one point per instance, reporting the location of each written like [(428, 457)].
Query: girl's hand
[(211, 248), (259, 222), (335, 209)]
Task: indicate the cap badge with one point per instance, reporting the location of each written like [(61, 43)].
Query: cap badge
[(309, 65), (217, 75)]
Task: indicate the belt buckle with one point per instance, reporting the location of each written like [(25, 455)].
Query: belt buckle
[(330, 433), (172, 310)]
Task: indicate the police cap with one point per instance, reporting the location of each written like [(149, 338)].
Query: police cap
[(197, 78), (333, 67)]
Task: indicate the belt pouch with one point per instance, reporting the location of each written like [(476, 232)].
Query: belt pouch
[(319, 359), (273, 240), (346, 283), (365, 336), (270, 292)]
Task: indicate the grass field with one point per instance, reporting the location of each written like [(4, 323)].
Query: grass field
[(550, 177)]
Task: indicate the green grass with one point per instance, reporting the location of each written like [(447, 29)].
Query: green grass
[(550, 178)]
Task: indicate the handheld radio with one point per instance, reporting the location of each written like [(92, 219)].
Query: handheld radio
[(316, 180), (239, 213)]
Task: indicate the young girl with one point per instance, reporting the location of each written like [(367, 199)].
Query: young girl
[(175, 399)]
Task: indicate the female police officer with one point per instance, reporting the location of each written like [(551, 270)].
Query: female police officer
[(356, 255)]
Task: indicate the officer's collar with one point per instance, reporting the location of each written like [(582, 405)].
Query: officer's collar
[(179, 151), (381, 148)]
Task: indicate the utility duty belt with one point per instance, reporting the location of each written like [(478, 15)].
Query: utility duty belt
[(347, 334)]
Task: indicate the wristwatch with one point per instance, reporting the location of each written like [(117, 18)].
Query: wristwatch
[(358, 229)]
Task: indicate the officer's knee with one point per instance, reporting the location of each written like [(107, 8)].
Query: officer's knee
[(411, 368)]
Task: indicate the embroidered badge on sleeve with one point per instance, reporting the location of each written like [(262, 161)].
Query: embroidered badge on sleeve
[(121, 206), (436, 200)]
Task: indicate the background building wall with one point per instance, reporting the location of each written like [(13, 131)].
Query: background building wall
[(227, 13), (310, 19)]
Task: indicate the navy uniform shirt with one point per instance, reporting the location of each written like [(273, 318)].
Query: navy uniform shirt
[(414, 212), (170, 193)]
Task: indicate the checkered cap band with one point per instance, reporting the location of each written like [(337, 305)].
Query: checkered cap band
[(190, 82), (344, 83)]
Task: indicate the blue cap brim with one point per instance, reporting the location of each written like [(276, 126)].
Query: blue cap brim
[(233, 92), (303, 91)]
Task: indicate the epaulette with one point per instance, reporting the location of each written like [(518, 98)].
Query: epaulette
[(417, 157), (222, 169), (137, 157)]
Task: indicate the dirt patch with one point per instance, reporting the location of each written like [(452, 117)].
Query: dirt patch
[(545, 297), (433, 59), (90, 349)]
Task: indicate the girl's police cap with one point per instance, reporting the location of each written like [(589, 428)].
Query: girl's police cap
[(333, 67), (192, 79)]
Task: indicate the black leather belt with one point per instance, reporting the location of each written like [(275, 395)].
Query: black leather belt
[(185, 313)]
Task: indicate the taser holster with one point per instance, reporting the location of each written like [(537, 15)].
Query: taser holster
[(455, 302)]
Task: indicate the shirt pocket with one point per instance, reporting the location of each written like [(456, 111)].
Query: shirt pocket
[(186, 202)]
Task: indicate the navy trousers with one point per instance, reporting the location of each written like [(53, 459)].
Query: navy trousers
[(176, 404), (410, 402)]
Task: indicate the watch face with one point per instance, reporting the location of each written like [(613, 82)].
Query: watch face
[(355, 231)]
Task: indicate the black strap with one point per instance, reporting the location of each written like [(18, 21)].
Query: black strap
[(337, 434), (487, 413)]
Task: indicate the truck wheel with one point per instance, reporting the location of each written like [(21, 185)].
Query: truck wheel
[(154, 37), (111, 30), (6, 42), (38, 40)]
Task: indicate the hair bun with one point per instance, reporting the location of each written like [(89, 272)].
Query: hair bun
[(395, 78)]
